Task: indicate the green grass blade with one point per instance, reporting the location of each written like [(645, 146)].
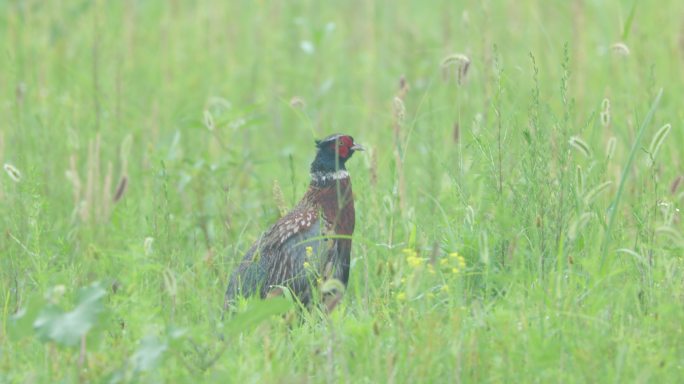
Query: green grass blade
[(623, 178), (629, 21)]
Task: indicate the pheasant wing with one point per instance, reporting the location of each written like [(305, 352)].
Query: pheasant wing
[(277, 257), (291, 260)]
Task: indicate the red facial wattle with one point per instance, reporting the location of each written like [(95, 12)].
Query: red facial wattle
[(343, 146)]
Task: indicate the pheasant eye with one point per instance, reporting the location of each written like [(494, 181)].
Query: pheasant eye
[(347, 141), (341, 146)]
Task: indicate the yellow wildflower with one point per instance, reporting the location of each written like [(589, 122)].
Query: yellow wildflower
[(309, 251), (443, 262), (414, 261), (307, 265), (459, 259), (454, 270), (445, 288), (431, 269), (401, 296)]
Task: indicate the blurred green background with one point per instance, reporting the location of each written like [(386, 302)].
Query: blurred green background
[(146, 144)]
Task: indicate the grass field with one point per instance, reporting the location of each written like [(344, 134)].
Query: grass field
[(518, 209)]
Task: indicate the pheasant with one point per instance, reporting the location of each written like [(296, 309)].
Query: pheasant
[(310, 244)]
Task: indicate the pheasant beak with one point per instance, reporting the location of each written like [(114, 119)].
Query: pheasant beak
[(357, 147)]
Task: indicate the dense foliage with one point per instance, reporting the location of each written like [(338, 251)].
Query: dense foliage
[(517, 210)]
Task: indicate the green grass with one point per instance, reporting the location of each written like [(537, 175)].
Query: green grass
[(564, 280)]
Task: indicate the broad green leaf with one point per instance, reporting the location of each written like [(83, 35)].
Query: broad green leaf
[(21, 323), (67, 328)]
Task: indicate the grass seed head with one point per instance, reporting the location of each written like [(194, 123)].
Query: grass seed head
[(297, 102), (578, 224), (605, 113), (208, 120), (675, 184), (12, 172), (399, 110), (470, 216), (605, 104), (579, 180), (403, 87), (455, 59), (147, 245), (657, 142), (580, 145), (458, 63), (594, 192), (121, 188), (671, 233), (620, 49)]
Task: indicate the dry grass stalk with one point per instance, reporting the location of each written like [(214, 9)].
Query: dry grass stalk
[(2, 154), (20, 92), (398, 110), (374, 168), (469, 218), (121, 188), (90, 180), (97, 201), (675, 184), (95, 205), (399, 115), (610, 147), (579, 180), (107, 191), (123, 157), (75, 180)]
